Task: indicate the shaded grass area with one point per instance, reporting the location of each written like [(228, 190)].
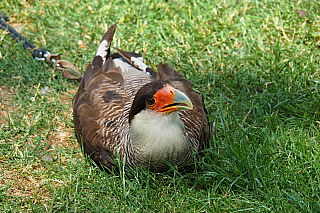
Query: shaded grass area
[(256, 64)]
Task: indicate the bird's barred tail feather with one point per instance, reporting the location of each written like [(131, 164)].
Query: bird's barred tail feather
[(99, 62), (103, 51)]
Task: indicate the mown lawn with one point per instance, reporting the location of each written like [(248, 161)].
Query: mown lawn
[(256, 64)]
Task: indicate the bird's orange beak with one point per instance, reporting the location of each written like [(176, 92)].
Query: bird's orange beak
[(168, 99)]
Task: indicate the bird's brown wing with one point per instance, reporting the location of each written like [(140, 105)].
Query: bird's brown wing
[(99, 108), (99, 115), (195, 121)]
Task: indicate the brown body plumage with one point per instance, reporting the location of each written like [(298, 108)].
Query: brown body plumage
[(112, 106)]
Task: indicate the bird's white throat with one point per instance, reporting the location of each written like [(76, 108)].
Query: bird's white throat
[(159, 137)]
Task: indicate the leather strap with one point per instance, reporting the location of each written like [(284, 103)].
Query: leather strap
[(63, 66)]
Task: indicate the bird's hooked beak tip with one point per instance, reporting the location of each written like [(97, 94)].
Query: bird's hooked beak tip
[(180, 101)]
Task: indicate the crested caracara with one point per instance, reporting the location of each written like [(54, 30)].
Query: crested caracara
[(124, 108)]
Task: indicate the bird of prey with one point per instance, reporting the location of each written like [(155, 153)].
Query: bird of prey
[(125, 109)]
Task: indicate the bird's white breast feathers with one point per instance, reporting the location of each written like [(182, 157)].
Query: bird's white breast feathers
[(159, 136)]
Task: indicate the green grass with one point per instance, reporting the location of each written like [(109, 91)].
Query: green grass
[(256, 64)]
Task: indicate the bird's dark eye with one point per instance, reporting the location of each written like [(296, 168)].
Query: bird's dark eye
[(151, 102)]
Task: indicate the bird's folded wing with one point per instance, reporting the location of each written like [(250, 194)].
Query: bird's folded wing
[(195, 121)]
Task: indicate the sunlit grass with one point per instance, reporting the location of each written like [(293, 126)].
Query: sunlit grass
[(255, 63)]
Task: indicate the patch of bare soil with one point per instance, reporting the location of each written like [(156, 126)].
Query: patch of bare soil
[(63, 133), (6, 105), (26, 183), (31, 182)]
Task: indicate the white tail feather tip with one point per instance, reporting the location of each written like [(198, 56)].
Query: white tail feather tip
[(103, 49)]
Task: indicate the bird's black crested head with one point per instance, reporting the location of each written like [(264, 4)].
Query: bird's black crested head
[(159, 97), (145, 96)]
